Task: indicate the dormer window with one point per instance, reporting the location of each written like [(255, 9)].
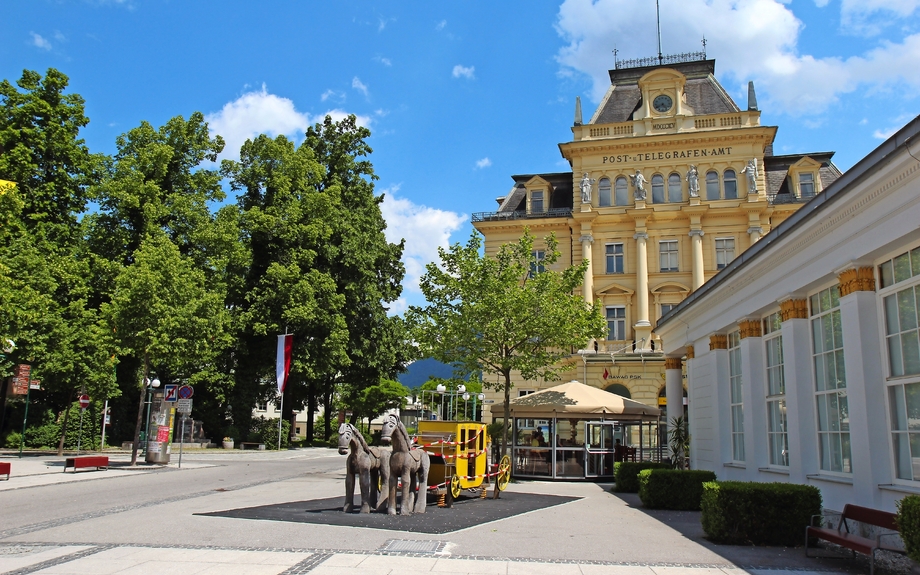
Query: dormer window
[(806, 185), (536, 202)]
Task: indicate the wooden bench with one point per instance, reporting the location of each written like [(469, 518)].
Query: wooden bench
[(97, 461), (5, 469), (842, 536), (253, 444)]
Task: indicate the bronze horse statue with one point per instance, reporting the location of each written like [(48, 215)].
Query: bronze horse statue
[(370, 464), (408, 464)]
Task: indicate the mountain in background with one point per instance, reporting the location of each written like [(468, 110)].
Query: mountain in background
[(424, 369)]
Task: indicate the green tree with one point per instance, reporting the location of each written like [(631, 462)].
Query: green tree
[(163, 314), (500, 315), (375, 399)]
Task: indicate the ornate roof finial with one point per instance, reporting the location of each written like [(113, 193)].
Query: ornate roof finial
[(578, 110), (752, 97), (704, 47)]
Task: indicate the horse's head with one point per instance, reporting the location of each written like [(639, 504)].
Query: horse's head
[(390, 424), (346, 432)]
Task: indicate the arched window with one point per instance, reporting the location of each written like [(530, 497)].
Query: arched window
[(657, 189), (619, 389), (603, 192), (674, 188), (712, 186), (730, 184), (621, 191)]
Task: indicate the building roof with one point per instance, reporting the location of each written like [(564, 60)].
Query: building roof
[(704, 93), (576, 398)]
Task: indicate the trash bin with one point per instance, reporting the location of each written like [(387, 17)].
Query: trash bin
[(158, 452)]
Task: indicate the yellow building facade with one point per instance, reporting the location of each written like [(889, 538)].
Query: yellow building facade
[(670, 181)]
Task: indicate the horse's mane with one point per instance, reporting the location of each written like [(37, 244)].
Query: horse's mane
[(401, 429), (359, 437)]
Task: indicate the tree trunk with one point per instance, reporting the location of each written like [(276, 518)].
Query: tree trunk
[(327, 408), (311, 409), (60, 450), (140, 416)]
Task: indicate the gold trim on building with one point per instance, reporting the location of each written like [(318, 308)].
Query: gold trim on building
[(672, 363), (690, 352), (718, 341), (856, 279), (794, 309), (750, 328)]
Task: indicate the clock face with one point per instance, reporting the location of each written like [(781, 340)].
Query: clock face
[(662, 103)]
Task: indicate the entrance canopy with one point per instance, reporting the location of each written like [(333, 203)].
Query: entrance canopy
[(575, 398)]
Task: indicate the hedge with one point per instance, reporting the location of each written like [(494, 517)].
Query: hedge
[(626, 474), (755, 513), (908, 519), (679, 489)]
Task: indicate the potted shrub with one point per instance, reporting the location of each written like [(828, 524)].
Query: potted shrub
[(908, 519), (227, 443)]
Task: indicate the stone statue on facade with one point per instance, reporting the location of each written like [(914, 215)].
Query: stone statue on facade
[(586, 183), (638, 182), (693, 181), (751, 171)]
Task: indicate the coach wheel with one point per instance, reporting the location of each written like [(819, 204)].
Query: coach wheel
[(455, 486), (504, 472)]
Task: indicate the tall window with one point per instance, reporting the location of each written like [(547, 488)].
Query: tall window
[(613, 253), (806, 185), (734, 372), (830, 382), (675, 193), (536, 202), (657, 189), (712, 186), (900, 294), (666, 307), (777, 439), (667, 255), (616, 323), (730, 183), (621, 191), (725, 251), (603, 192), (536, 262), (261, 406)]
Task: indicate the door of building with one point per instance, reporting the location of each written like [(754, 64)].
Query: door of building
[(598, 449)]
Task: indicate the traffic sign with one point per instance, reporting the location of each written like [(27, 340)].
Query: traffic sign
[(170, 392), (84, 401), (184, 406), (186, 392)]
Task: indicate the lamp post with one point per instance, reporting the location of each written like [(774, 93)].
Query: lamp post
[(441, 389), (466, 397), (480, 397), (151, 385)]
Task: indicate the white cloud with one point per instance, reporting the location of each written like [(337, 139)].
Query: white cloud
[(483, 163), (338, 96), (440, 25), (425, 229), (40, 42), (59, 36), (358, 85), (869, 17), (384, 61), (259, 112), (464, 71), (753, 39)]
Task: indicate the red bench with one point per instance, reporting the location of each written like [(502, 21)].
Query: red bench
[(842, 536), (5, 469), (97, 461)]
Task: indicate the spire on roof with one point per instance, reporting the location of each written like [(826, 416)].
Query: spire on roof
[(752, 97), (578, 111)]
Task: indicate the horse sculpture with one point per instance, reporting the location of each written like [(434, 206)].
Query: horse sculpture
[(370, 464), (408, 464)]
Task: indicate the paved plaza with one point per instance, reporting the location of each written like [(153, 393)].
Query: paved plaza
[(198, 520)]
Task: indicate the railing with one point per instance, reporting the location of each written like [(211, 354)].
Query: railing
[(660, 60), (786, 199), (520, 215)]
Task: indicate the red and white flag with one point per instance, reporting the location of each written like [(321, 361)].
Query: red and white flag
[(606, 373), (283, 363)]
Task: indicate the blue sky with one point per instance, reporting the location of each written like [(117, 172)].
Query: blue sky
[(460, 96)]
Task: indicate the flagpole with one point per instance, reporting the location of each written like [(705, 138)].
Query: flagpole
[(280, 418)]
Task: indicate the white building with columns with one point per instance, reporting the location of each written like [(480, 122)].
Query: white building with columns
[(670, 181), (802, 356)]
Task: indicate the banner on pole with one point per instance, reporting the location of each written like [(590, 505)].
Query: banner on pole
[(283, 363)]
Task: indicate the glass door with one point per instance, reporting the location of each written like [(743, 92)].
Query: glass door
[(599, 449)]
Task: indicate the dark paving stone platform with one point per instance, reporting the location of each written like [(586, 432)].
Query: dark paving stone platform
[(466, 512)]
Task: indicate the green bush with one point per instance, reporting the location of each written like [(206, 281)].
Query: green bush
[(13, 440), (266, 431), (908, 520), (626, 474), (673, 488), (745, 513)]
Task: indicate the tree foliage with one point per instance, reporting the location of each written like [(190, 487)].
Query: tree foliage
[(503, 314)]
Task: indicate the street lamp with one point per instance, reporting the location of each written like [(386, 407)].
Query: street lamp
[(151, 385), (441, 389), (466, 397)]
